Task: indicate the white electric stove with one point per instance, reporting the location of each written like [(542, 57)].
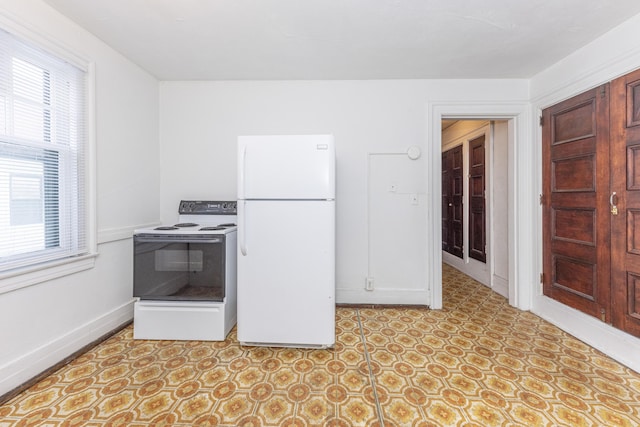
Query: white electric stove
[(185, 274)]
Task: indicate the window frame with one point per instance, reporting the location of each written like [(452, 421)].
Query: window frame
[(29, 275)]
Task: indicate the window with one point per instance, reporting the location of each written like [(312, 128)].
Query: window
[(42, 147)]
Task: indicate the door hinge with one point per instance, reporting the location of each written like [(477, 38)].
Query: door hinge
[(603, 91), (603, 315), (541, 200), (542, 278), (541, 120)]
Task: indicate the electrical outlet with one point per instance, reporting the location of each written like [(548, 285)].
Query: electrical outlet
[(368, 284)]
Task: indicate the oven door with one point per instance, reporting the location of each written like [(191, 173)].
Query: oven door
[(179, 268)]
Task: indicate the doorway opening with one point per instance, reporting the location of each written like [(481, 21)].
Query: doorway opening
[(475, 203), (522, 215)]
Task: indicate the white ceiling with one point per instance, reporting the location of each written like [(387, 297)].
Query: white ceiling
[(346, 39)]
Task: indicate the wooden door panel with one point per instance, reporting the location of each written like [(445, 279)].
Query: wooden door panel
[(576, 277), (477, 205), (574, 225), (577, 200), (633, 305), (575, 212), (633, 100), (574, 174), (577, 252), (633, 167), (576, 122), (633, 231), (566, 150), (476, 235), (625, 177)]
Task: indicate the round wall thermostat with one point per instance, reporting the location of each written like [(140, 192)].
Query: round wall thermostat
[(413, 152)]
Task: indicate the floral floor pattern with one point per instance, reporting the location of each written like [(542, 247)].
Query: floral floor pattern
[(477, 362)]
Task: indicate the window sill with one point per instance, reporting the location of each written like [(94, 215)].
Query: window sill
[(29, 276)]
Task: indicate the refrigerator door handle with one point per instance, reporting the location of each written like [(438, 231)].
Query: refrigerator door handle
[(243, 169), (241, 229)]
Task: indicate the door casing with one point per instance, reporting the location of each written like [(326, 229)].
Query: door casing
[(523, 217)]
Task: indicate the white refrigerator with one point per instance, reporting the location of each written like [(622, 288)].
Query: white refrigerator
[(286, 240)]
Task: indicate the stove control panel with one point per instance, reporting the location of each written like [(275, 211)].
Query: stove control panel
[(208, 207)]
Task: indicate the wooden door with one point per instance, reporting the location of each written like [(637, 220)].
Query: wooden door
[(576, 223), (625, 178), (452, 238), (446, 195), (477, 208)]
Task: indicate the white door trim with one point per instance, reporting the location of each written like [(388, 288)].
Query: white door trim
[(523, 213)]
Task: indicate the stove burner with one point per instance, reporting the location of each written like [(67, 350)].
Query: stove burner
[(186, 224), (211, 228), (230, 224), (166, 227)]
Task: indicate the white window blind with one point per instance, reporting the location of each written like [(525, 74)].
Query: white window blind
[(42, 147)]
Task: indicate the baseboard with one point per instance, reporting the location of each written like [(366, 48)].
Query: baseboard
[(19, 371), (613, 342), (378, 306), (500, 285), (474, 269), (383, 296)]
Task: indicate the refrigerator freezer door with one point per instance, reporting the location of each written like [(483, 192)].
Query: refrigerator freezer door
[(286, 280), (286, 167)]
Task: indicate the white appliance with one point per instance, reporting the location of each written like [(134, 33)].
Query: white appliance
[(185, 274), (286, 240)]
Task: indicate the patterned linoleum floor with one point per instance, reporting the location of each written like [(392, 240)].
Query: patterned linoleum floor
[(477, 362)]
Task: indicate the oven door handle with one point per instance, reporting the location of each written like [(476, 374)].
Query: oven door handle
[(139, 239)]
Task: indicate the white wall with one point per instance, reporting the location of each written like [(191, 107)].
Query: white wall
[(43, 323), (614, 54), (201, 120), (396, 230)]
